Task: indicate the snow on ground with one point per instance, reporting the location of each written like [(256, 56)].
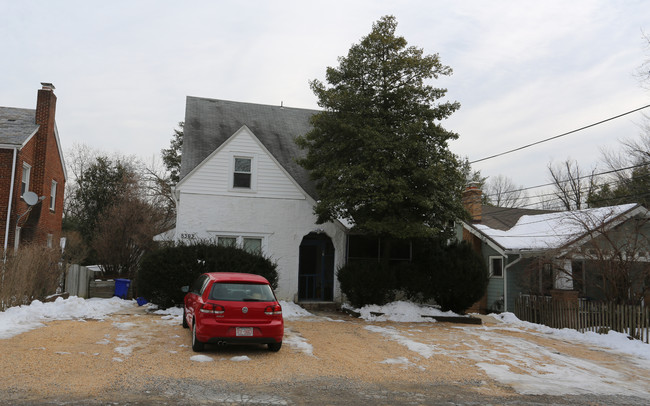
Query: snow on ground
[(291, 311), (614, 340), (297, 342), (201, 358), (425, 350), (19, 319), (527, 366), (401, 311)]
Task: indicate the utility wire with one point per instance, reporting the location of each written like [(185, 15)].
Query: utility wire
[(577, 179), (561, 135)]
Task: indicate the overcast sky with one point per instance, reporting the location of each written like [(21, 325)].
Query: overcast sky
[(523, 70)]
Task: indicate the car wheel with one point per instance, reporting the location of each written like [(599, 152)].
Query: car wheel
[(185, 325), (197, 346), (275, 347)]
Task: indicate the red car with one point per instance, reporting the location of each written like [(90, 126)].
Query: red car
[(227, 307)]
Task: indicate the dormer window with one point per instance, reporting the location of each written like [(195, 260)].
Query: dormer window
[(242, 174)]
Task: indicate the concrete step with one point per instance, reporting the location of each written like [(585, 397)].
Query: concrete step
[(320, 306)]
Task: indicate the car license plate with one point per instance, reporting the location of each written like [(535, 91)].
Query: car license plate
[(244, 331)]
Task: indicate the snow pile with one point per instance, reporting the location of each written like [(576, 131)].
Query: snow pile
[(613, 340), (17, 320), (173, 315), (201, 358), (291, 311), (400, 311)]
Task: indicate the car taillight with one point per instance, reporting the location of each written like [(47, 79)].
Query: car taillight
[(212, 309), (273, 310)]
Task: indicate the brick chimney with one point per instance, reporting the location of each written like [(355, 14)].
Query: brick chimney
[(45, 111), (472, 202)]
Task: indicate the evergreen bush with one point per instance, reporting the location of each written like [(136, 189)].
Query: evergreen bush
[(164, 271), (459, 279), (367, 282)]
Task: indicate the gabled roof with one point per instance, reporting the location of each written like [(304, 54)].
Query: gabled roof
[(210, 122), (555, 230), (17, 126), (504, 218)]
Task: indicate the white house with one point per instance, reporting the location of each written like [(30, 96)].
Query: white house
[(240, 184)]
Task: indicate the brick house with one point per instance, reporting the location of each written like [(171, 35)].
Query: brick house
[(31, 160)]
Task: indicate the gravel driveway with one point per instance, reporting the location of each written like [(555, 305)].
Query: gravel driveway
[(136, 357)]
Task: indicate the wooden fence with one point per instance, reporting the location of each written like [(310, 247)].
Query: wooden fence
[(585, 316)]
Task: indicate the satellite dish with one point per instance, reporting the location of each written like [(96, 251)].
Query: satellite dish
[(30, 198)]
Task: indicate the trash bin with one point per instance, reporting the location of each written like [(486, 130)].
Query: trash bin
[(141, 301), (122, 287)]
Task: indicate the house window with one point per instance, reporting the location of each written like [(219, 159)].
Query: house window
[(496, 267), (49, 240), (227, 241), (24, 185), (253, 245), (53, 196), (243, 173)]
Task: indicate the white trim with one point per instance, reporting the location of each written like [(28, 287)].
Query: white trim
[(484, 238), (253, 182), (27, 167), (53, 196), (58, 146)]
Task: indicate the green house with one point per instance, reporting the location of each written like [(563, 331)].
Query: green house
[(585, 253)]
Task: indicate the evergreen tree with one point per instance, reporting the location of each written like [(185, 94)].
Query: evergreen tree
[(172, 156), (378, 152)]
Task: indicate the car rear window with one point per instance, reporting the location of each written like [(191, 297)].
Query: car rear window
[(242, 292)]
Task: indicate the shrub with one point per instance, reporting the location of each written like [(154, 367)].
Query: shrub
[(367, 282), (459, 279), (164, 271), (31, 273)]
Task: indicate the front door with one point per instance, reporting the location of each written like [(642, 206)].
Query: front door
[(316, 269)]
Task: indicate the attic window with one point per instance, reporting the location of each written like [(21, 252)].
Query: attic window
[(242, 173)]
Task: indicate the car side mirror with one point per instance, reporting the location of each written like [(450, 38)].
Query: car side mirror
[(185, 289)]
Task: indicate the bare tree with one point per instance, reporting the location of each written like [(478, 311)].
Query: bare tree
[(501, 191), (125, 232), (572, 186), (157, 187), (617, 257), (608, 259)]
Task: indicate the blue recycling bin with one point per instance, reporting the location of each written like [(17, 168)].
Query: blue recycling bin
[(122, 287)]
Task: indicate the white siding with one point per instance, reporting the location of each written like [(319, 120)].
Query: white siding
[(281, 222), (276, 209), (214, 176)]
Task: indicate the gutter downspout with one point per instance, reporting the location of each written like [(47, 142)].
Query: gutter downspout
[(505, 282), (11, 197)]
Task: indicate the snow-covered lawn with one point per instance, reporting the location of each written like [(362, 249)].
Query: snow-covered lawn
[(507, 352)]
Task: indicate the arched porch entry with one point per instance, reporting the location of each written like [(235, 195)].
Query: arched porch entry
[(316, 268)]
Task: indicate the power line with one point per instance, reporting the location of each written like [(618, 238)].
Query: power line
[(577, 179), (561, 135)]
